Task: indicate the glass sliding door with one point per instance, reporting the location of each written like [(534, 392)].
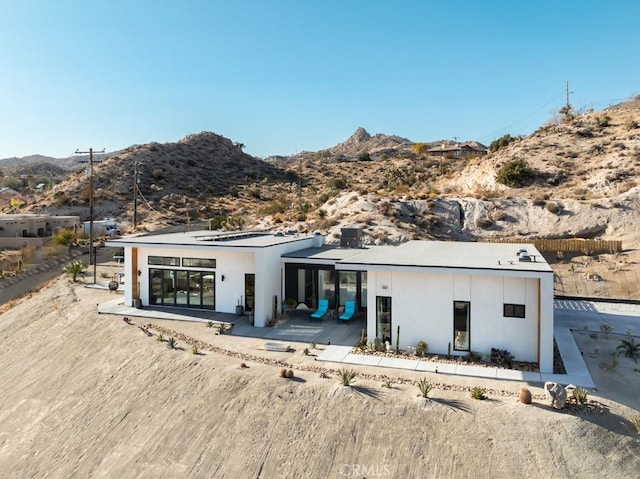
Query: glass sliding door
[(182, 288), (327, 286), (348, 281), (383, 318), (461, 325)]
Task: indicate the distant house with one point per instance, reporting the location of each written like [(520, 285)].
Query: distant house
[(458, 150), (18, 230), (454, 296), (8, 194)]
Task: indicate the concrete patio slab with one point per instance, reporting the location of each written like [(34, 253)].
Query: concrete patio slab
[(362, 359), (477, 371), (398, 363)]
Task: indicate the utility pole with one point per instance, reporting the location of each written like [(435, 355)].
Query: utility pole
[(92, 253), (568, 92), (135, 195)]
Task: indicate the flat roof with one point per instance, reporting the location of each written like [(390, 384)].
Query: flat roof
[(323, 254), (451, 254), (206, 238)]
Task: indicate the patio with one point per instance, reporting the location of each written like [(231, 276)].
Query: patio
[(296, 326)]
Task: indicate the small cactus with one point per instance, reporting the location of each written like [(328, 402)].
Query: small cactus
[(243, 365), (283, 373), (525, 396), (289, 373)]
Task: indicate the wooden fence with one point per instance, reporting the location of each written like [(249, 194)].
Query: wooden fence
[(572, 245)]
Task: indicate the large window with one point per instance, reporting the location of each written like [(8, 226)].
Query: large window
[(513, 310), (193, 289), (383, 318), (461, 325)]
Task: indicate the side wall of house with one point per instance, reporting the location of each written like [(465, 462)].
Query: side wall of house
[(422, 305)]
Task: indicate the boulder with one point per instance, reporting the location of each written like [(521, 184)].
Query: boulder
[(556, 394)]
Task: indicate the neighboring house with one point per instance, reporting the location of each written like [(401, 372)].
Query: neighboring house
[(462, 296), (20, 229), (8, 194), (458, 150)]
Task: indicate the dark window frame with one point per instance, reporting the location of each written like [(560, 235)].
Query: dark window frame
[(510, 310), (199, 263), (160, 260)]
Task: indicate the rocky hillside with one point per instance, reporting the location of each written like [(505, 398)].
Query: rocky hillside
[(582, 183)]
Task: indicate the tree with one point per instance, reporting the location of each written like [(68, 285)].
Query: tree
[(419, 148), (514, 173), (364, 156), (502, 142), (74, 268), (239, 145)]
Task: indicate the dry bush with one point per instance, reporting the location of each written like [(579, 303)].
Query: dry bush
[(552, 207)]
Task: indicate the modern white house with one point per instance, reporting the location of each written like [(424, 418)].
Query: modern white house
[(455, 296)]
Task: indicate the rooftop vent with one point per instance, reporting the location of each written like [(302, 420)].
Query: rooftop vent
[(351, 238), (524, 256)]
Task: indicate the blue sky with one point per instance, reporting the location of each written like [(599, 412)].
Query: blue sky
[(292, 75)]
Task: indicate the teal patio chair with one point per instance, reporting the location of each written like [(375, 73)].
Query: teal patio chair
[(349, 310), (323, 308)]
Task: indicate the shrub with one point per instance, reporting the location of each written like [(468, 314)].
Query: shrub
[(160, 337), (386, 383), (172, 343), (195, 349), (221, 327), (603, 121), (474, 357), (610, 366), (501, 142), (478, 393), (425, 387), (421, 348), (337, 183), (157, 173), (514, 173), (552, 207), (64, 237), (306, 351), (346, 376), (210, 324), (525, 396), (501, 357), (74, 268), (630, 349), (635, 420), (606, 328), (631, 125), (580, 395)]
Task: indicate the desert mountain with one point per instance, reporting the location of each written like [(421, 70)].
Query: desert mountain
[(584, 170)]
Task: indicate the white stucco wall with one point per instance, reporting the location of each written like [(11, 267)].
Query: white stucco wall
[(422, 305)]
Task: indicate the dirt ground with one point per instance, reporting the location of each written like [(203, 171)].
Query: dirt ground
[(87, 395), (606, 276)]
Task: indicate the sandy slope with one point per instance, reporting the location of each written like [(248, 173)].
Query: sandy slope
[(85, 395)]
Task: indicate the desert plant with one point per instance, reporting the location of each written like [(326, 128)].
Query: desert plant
[(635, 420), (324, 375), (74, 268), (306, 351), (221, 327), (631, 125), (363, 338), (449, 350), (172, 343), (346, 376), (398, 340), (64, 237), (514, 173), (425, 387), (283, 373), (195, 349), (289, 373), (603, 121), (630, 349), (610, 366), (210, 324), (501, 357), (387, 383), (478, 393), (580, 395), (524, 396), (606, 328), (243, 365), (313, 345), (421, 348), (160, 337), (474, 357)]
